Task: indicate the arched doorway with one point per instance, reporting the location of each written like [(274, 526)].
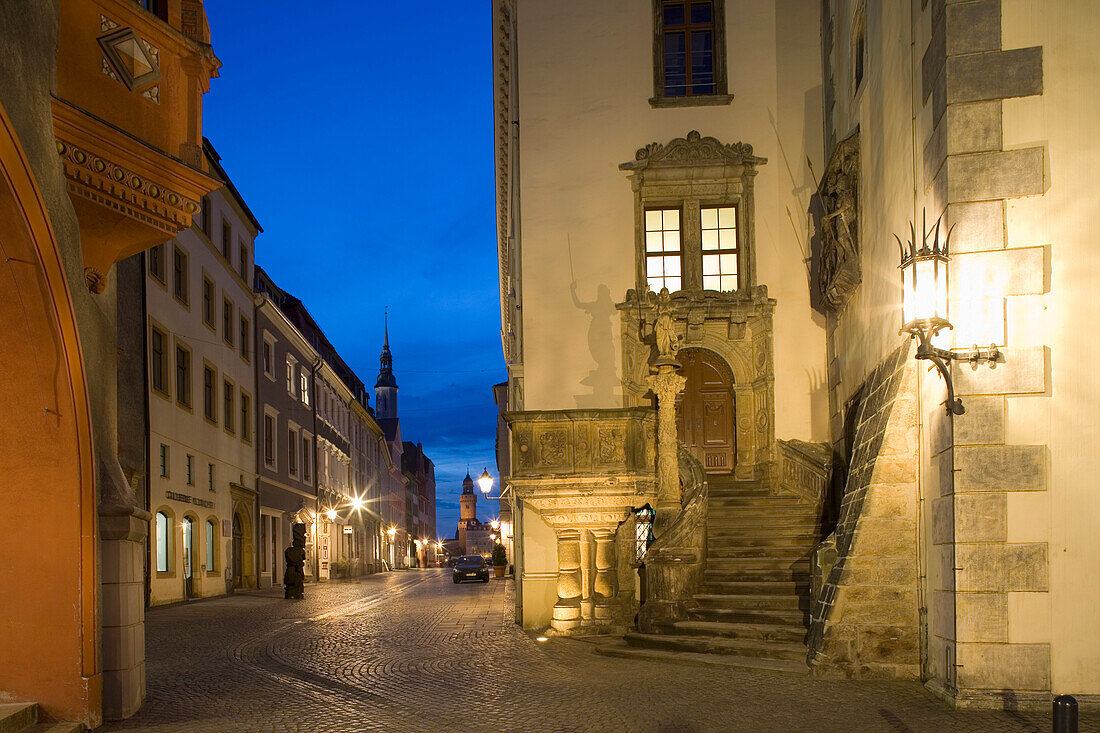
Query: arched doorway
[(705, 410), (188, 557), (238, 552), (46, 461)]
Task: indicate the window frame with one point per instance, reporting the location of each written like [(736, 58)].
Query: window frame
[(270, 438), (209, 393), (227, 242), (245, 346), (245, 403), (184, 397), (267, 355), (209, 295), (308, 467), (721, 93), (181, 276), (164, 460), (292, 449), (167, 534), (164, 390), (229, 406), (160, 276), (211, 538), (229, 310), (189, 467), (211, 476)]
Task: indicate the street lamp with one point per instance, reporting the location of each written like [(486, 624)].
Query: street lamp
[(924, 306), (392, 532), (357, 503), (485, 482), (331, 514)]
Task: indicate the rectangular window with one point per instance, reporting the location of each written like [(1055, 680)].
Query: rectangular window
[(291, 380), (156, 263), (246, 339), (183, 376), (209, 405), (190, 470), (243, 264), (227, 241), (292, 452), (307, 458), (158, 360), (269, 440), (211, 558), (210, 476), (246, 418), (688, 48), (305, 387), (229, 408), (180, 276), (269, 358), (206, 216), (227, 321), (207, 301), (663, 255), (719, 227), (164, 460)]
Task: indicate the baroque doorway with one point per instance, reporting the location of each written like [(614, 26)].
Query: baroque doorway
[(705, 412)]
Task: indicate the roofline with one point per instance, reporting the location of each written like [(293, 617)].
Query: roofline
[(215, 160)]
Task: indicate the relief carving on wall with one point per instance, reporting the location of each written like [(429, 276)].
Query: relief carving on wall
[(839, 271), (552, 447), (612, 445)]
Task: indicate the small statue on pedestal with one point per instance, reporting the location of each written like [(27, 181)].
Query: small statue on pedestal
[(294, 576)]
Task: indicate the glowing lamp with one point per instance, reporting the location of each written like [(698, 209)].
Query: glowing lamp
[(495, 523), (357, 503), (331, 514), (392, 532), (924, 305), (485, 481)]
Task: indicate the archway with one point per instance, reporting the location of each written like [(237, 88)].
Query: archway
[(705, 417), (46, 461)]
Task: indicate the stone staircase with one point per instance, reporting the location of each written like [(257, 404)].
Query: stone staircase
[(752, 607), (23, 717)]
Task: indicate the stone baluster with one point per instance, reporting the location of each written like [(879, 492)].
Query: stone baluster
[(603, 588), (567, 611)]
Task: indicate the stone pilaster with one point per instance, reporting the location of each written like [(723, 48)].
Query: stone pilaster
[(567, 610)]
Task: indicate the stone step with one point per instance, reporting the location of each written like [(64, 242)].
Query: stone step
[(763, 565), (56, 728), (17, 716), (760, 601), (755, 587), (763, 518), (771, 550), (625, 651), (749, 504), (761, 539), (748, 616), (784, 575), (719, 645), (760, 632)]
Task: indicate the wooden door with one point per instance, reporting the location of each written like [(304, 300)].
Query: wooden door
[(238, 552), (704, 411)]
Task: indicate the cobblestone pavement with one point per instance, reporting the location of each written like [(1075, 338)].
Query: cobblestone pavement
[(410, 651)]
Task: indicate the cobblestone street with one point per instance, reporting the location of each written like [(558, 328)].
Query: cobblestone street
[(410, 651)]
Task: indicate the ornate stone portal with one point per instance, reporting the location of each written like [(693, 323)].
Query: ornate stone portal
[(584, 471)]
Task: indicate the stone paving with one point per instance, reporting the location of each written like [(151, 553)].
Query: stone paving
[(410, 651)]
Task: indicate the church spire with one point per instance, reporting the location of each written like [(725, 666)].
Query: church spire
[(385, 387)]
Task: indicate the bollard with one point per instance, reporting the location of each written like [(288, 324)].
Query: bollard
[(1065, 714)]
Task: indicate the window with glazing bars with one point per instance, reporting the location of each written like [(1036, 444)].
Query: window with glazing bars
[(663, 249), (719, 244), (687, 48)]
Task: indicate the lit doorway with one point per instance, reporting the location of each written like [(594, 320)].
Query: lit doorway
[(705, 410), (188, 557)]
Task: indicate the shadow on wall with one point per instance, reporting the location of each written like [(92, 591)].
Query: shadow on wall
[(602, 380)]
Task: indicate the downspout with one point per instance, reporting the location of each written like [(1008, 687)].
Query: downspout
[(257, 355), (316, 471), (146, 426)]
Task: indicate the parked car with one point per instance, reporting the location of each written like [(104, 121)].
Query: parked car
[(471, 567)]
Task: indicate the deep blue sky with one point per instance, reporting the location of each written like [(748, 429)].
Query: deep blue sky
[(360, 134)]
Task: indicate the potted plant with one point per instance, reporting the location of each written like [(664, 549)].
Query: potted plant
[(500, 560)]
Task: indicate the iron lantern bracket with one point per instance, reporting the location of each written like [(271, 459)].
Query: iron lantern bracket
[(940, 358)]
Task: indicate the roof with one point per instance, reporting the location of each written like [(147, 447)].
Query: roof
[(216, 163)]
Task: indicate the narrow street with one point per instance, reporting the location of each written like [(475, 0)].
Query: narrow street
[(411, 651)]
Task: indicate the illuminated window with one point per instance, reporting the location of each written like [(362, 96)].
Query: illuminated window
[(305, 387), (163, 527), (719, 248), (211, 556), (291, 380), (662, 248)]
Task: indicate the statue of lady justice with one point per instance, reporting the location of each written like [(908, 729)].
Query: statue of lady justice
[(664, 327)]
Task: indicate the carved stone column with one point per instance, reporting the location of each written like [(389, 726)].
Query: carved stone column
[(567, 611), (603, 586), (666, 384)]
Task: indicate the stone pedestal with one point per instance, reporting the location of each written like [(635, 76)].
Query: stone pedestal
[(567, 610), (122, 533), (666, 384)]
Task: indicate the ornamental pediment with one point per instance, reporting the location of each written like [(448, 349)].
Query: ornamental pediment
[(693, 150)]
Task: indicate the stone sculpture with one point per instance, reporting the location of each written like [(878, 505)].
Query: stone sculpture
[(664, 328), (294, 576)]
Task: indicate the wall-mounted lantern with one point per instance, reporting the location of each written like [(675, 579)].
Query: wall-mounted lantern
[(924, 306)]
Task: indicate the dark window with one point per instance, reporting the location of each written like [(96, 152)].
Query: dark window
[(243, 264), (158, 8), (246, 333), (183, 376), (190, 470), (210, 476), (292, 452), (688, 49), (209, 406), (179, 276), (227, 238), (269, 440), (158, 362), (267, 358), (206, 216), (229, 409), (227, 322), (307, 458), (163, 460), (246, 418), (207, 302), (859, 50), (156, 262)]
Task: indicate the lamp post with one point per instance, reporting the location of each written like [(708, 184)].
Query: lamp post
[(924, 306), (485, 482)]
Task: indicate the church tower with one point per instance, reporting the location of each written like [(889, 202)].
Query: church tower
[(468, 500), (385, 388)]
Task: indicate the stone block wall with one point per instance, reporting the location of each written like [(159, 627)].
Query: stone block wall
[(967, 75), (864, 621)]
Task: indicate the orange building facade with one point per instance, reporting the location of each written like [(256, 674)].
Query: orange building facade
[(100, 158)]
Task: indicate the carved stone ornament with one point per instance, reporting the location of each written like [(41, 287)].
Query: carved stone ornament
[(839, 273), (693, 150)]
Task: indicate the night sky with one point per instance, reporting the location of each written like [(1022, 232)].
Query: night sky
[(360, 134)]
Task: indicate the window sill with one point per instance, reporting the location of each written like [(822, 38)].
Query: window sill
[(709, 100)]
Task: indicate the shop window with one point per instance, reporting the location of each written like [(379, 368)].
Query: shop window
[(164, 527), (211, 547)]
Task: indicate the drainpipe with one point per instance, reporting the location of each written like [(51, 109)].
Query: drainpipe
[(147, 423), (316, 471)]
